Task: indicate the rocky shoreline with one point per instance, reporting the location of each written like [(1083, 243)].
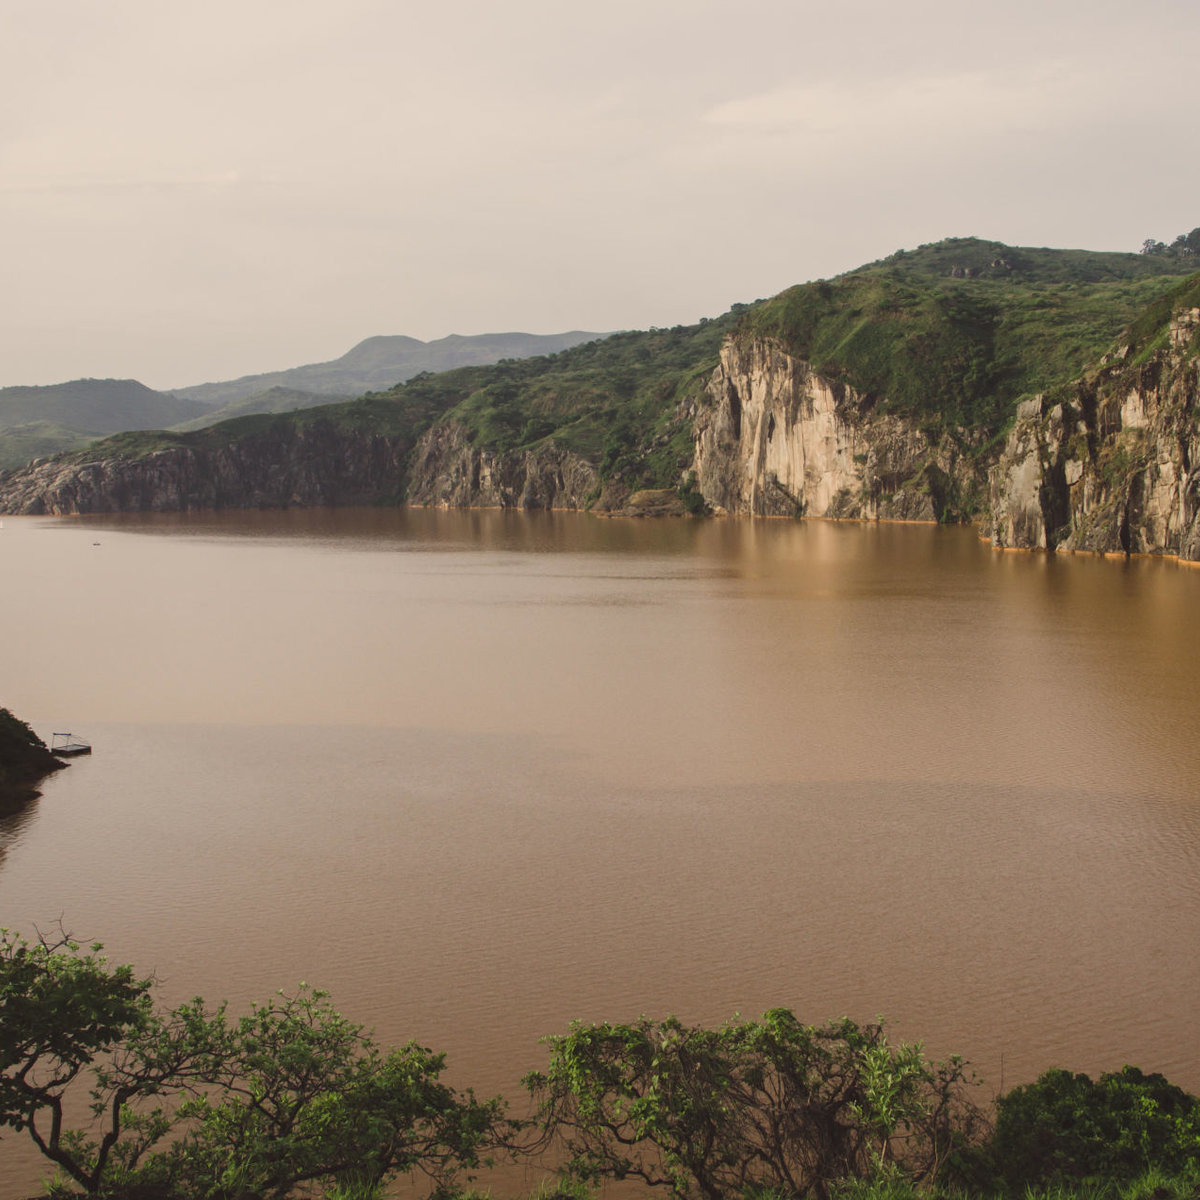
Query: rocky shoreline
[(1109, 463), (24, 763)]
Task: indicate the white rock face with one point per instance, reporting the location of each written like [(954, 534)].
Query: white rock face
[(777, 439)]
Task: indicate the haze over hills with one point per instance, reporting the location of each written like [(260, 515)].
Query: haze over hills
[(36, 421), (272, 400), (95, 405), (381, 362), (40, 421)]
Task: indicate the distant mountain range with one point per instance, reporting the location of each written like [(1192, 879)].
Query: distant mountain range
[(36, 421), (40, 421), (381, 362)]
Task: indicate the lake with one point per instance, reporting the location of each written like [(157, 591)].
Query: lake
[(482, 773)]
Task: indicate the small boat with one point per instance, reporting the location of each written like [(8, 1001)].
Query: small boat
[(67, 745)]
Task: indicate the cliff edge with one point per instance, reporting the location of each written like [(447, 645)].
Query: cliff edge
[(1110, 463), (774, 437)]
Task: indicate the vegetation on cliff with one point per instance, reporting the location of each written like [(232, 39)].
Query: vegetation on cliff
[(954, 333), (369, 415), (35, 421), (947, 337), (614, 402), (1150, 332), (24, 761), (292, 1099), (950, 334), (1106, 461), (40, 421)]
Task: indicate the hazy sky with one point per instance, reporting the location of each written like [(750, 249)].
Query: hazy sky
[(194, 191)]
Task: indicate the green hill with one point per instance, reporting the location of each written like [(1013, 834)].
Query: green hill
[(955, 332), (977, 258), (273, 400), (37, 421)]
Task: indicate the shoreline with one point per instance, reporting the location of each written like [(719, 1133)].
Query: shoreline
[(619, 514)]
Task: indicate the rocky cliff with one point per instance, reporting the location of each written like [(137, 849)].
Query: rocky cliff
[(1111, 462), (284, 464), (448, 469), (895, 392), (775, 438)]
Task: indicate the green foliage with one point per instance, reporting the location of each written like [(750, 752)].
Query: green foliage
[(976, 258), (37, 421), (298, 1094), (61, 1007), (192, 1105), (269, 400), (1148, 332), (1184, 249), (20, 444), (691, 496), (959, 350), (614, 402), (1068, 1127), (1155, 1184), (753, 1106), (292, 1099)]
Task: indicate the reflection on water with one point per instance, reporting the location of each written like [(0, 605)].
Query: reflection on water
[(13, 823), (483, 773)]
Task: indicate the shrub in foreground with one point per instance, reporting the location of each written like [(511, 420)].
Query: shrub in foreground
[(192, 1104), (293, 1100), (1067, 1127), (757, 1107)]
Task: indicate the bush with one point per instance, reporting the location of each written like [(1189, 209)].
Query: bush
[(753, 1107), (1067, 1127)]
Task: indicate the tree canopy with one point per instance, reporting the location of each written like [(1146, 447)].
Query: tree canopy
[(191, 1103), (771, 1104)]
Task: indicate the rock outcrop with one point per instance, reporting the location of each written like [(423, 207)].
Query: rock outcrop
[(774, 438), (449, 470), (24, 762), (1110, 463)]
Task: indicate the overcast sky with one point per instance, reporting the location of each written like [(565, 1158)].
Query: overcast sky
[(199, 190)]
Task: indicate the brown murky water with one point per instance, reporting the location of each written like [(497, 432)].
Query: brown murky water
[(479, 774)]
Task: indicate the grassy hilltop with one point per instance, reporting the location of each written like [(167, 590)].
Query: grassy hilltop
[(955, 332)]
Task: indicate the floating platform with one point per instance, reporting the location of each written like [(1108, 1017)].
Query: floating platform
[(67, 745)]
